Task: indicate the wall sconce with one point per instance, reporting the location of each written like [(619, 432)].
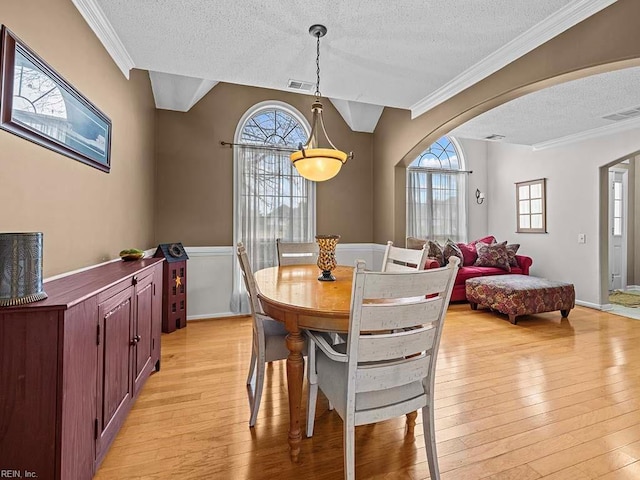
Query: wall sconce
[(479, 197)]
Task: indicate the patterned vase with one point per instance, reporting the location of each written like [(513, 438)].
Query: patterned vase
[(327, 256), (20, 268)]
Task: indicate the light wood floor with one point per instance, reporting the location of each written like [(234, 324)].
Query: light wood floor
[(544, 399)]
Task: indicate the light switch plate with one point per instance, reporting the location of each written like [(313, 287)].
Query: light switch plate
[(582, 238)]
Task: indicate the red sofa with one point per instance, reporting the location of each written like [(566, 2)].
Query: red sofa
[(468, 269), (459, 294)]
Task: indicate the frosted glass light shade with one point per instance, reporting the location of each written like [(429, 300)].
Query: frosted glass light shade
[(318, 164)]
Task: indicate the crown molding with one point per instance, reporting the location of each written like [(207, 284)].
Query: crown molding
[(589, 134), (562, 20), (98, 22)]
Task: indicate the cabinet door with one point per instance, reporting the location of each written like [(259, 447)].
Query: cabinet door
[(114, 366), (144, 336)]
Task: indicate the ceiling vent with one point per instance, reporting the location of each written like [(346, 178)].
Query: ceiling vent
[(494, 136), (623, 115), (300, 85)]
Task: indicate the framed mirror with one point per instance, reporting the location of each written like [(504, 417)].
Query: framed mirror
[(37, 104)]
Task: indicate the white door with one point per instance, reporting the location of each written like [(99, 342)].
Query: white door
[(617, 229)]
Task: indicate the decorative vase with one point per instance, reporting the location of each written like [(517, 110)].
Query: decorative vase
[(327, 256)]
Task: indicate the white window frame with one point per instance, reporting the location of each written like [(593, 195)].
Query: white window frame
[(521, 203), (462, 191)]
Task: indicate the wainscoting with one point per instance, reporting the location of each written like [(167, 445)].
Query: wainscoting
[(210, 275)]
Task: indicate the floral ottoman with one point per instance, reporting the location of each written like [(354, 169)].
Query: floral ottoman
[(516, 295)]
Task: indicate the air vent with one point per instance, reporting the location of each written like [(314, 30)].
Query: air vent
[(494, 136), (623, 115), (300, 85)]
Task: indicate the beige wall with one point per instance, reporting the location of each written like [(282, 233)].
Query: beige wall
[(194, 203), (606, 41), (86, 215)]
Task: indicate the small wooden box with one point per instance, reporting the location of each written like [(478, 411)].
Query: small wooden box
[(174, 286)]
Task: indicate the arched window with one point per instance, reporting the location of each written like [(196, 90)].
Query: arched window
[(271, 199), (436, 193)]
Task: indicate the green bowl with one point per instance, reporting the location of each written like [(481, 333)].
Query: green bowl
[(132, 256)]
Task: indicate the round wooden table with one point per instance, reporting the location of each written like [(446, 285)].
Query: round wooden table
[(293, 295)]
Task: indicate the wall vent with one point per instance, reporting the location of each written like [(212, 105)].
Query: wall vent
[(623, 115), (300, 85), (494, 136)]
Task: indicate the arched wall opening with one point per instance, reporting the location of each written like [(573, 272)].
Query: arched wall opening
[(578, 52)]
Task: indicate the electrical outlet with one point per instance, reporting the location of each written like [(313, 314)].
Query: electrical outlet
[(582, 238)]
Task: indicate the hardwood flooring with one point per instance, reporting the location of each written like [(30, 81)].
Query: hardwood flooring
[(545, 399)]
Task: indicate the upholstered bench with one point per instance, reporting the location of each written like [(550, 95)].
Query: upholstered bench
[(516, 295)]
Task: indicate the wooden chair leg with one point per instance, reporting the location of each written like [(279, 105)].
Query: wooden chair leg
[(411, 422)]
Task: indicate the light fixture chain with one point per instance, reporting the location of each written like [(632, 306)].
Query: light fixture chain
[(318, 67)]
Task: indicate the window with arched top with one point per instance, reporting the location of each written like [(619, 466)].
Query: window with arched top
[(436, 193), (271, 199)]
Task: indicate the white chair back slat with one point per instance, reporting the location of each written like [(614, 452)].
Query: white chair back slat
[(297, 253), (389, 317), (421, 283), (398, 259), (373, 348), (384, 376)]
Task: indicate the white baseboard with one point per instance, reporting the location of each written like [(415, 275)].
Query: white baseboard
[(215, 315), (595, 306)]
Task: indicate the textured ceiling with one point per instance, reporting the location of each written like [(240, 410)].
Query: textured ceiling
[(411, 54), (561, 111)]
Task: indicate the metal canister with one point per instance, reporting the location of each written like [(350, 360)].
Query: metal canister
[(20, 268)]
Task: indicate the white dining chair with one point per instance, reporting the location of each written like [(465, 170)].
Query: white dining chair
[(397, 259), (297, 253), (269, 338), (388, 367)]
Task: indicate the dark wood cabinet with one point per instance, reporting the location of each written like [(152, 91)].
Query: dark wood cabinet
[(72, 365)]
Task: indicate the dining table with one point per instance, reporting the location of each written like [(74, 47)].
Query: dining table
[(292, 294)]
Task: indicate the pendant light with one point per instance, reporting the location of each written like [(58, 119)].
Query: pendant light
[(313, 161)]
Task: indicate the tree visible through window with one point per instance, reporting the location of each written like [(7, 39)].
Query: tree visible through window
[(436, 194)]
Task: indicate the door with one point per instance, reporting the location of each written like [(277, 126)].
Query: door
[(114, 366), (617, 229), (143, 340)]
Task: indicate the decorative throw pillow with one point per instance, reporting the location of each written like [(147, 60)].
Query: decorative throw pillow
[(434, 250), (415, 243), (490, 239), (511, 252), (494, 255), (469, 254), (450, 248)]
